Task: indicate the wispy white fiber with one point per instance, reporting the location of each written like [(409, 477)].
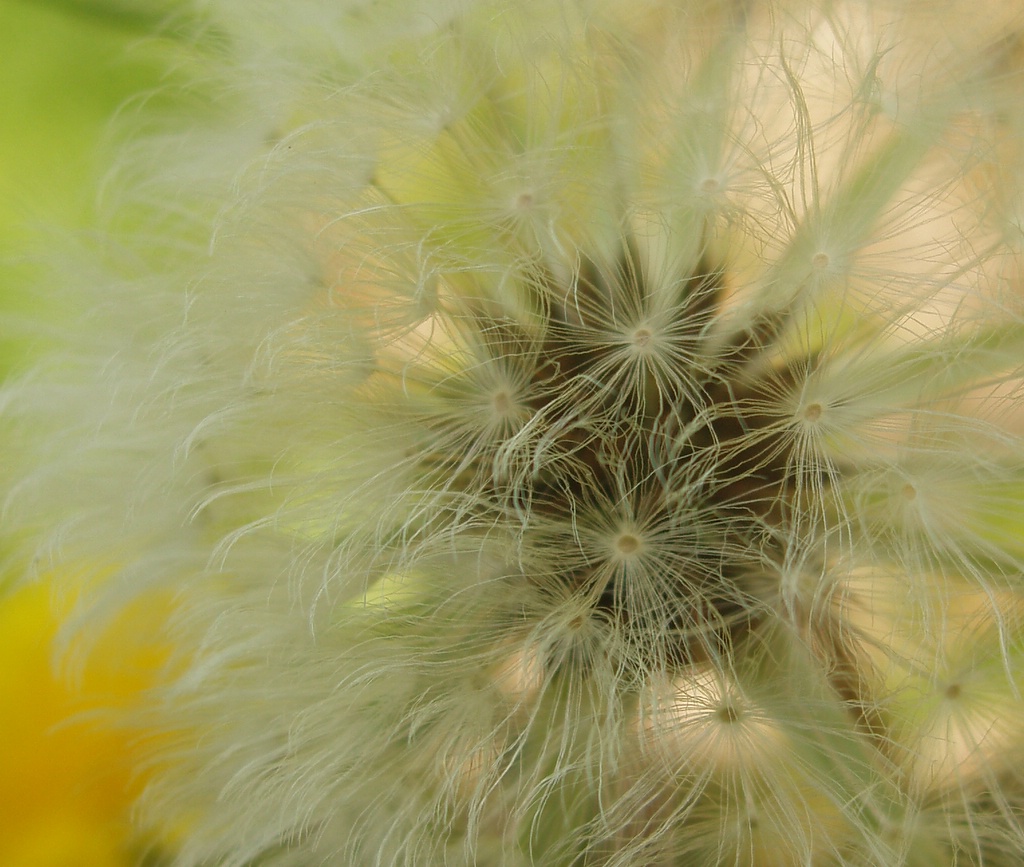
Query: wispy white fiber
[(573, 432)]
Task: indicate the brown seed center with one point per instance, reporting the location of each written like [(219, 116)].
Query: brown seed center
[(642, 337), (627, 543), (502, 402), (727, 713), (813, 411)]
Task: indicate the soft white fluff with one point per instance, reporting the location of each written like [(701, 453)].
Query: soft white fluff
[(575, 433)]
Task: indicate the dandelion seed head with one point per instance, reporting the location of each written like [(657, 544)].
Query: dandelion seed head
[(710, 726), (579, 432)]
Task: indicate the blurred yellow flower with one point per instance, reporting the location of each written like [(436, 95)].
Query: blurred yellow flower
[(68, 776)]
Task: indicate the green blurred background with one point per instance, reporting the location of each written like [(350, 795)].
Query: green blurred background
[(66, 68)]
